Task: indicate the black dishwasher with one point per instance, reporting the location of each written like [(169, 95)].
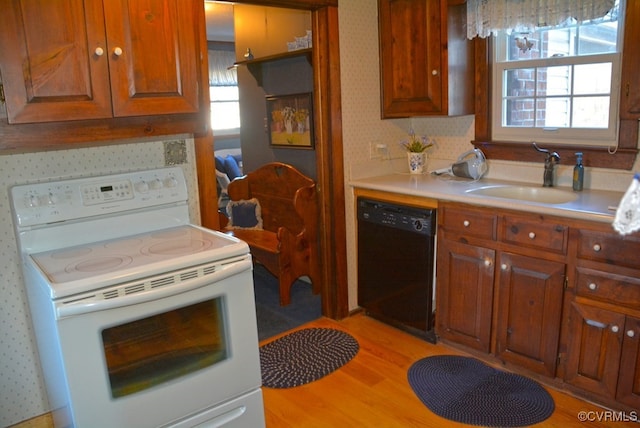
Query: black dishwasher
[(396, 265)]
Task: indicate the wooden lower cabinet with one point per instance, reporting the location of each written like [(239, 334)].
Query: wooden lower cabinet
[(465, 294), (629, 380), (557, 298), (529, 311), (603, 355)]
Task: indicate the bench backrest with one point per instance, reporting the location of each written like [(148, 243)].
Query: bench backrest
[(287, 197)]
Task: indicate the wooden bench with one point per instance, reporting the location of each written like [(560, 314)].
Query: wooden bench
[(287, 244)]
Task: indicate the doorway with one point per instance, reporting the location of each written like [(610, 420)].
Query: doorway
[(329, 154)]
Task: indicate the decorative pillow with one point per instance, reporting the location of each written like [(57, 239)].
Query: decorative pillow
[(220, 164), (231, 167), (244, 214)]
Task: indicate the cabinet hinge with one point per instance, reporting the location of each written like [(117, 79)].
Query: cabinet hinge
[(566, 282), (1, 93)]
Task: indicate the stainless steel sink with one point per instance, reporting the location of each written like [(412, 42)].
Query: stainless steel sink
[(543, 195)]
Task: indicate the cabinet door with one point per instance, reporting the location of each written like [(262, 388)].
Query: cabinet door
[(594, 348), (412, 33), (630, 91), (49, 64), (629, 379), (153, 56), (529, 311), (464, 294)]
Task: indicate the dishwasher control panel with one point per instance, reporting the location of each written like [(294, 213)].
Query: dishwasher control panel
[(420, 220)]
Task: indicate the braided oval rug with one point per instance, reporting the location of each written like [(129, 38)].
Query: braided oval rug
[(304, 356), (466, 390)]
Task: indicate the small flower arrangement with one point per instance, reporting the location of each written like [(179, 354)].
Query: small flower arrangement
[(416, 143)]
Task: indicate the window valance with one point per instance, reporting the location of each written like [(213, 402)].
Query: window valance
[(220, 73), (485, 17)]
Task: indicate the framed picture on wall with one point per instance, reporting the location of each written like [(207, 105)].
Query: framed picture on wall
[(290, 121)]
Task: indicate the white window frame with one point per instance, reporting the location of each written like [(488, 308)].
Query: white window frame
[(570, 136), (224, 131)]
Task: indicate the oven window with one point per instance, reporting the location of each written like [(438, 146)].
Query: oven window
[(147, 352)]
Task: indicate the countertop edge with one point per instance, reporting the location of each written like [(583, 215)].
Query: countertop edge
[(591, 205)]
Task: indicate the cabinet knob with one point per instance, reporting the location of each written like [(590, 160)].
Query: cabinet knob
[(99, 51), (504, 266), (466, 223), (434, 72), (532, 235), (631, 333), (487, 262), (615, 328), (597, 247), (592, 286), (117, 51)]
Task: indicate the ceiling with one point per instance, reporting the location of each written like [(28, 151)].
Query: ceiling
[(219, 16)]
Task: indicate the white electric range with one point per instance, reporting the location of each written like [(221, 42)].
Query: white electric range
[(142, 319)]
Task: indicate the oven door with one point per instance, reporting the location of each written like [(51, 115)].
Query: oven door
[(157, 357)]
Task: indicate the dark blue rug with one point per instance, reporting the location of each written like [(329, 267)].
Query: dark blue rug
[(274, 319), (304, 356), (466, 390)]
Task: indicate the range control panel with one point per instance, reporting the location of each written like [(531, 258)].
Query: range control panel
[(56, 201)]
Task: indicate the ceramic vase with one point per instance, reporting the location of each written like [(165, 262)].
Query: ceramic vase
[(417, 162)]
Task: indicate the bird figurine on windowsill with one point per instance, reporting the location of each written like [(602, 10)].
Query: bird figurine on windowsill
[(523, 44)]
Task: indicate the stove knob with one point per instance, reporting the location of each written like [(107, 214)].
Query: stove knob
[(31, 201), (48, 199), (170, 182), (142, 186), (155, 184)]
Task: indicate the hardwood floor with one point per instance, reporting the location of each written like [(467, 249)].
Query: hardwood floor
[(372, 389)]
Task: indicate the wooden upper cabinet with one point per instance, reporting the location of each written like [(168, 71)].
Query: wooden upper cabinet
[(157, 71), (426, 62), (85, 59), (630, 91), (49, 69)]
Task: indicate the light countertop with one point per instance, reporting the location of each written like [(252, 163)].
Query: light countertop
[(594, 205)]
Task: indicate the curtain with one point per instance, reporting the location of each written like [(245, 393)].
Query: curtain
[(219, 72), (485, 17)]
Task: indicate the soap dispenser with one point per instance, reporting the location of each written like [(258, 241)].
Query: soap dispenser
[(578, 173)]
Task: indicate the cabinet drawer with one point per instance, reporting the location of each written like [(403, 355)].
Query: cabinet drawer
[(535, 233), (609, 248), (608, 287), (470, 222)]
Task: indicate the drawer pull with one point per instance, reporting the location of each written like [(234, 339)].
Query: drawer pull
[(597, 248), (631, 333), (593, 286), (532, 235), (594, 323), (466, 223)]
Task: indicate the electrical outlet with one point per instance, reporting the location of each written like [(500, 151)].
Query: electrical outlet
[(378, 150)]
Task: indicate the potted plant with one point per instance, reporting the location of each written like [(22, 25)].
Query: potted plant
[(417, 147)]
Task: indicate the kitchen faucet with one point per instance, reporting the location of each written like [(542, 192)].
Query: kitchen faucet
[(550, 161)]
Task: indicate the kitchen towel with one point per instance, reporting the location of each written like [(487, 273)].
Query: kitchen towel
[(627, 218)]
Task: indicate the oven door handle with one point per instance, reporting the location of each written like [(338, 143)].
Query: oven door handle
[(94, 305)]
